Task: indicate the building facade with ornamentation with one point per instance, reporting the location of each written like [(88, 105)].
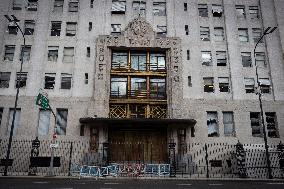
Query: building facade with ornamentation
[(135, 76)]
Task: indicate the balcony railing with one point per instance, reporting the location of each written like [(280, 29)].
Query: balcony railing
[(139, 94), (148, 66)]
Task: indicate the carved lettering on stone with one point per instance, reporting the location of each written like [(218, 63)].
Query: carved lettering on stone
[(100, 76), (101, 58), (101, 67), (176, 78)]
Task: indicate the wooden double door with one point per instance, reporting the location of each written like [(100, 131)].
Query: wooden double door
[(137, 145)]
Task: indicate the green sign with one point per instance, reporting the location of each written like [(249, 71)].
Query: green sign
[(42, 101)]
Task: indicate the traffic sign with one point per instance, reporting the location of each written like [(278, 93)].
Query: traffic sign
[(42, 101)]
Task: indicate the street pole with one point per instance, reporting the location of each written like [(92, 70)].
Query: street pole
[(51, 167), (14, 20), (266, 32)]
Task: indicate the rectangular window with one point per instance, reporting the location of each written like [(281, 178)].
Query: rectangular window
[(68, 54), (1, 113), (212, 124), (255, 124), (88, 52), (73, 6), (90, 26), (260, 59), (246, 59), (254, 12), (158, 88), (21, 79), (53, 53), (32, 5), (159, 8), (243, 34), (43, 122), (58, 5), (61, 121), (139, 7), (256, 34), (186, 29), (208, 84), (206, 58), (185, 6), (161, 30), (272, 127), (16, 122), (12, 28), (49, 80), (249, 85), (92, 4), (119, 60), (66, 81), (29, 27), (264, 85), (118, 87), (86, 78), (157, 62), (203, 10), (115, 28), (188, 54), (189, 83), (138, 87), (224, 85), (4, 79), (26, 53), (219, 34), (138, 61), (71, 28), (217, 10), (204, 33), (240, 11), (228, 121), (118, 7), (9, 52), (55, 28), (17, 4), (221, 58)]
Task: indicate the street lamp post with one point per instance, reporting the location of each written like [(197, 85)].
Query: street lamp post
[(14, 20), (267, 31)]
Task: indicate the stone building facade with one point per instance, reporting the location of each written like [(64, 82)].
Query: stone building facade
[(85, 54)]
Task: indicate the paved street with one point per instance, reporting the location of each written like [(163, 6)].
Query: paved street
[(55, 183)]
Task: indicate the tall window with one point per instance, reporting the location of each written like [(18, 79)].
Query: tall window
[(26, 53), (139, 7), (118, 87), (256, 34), (264, 85), (217, 10), (260, 59), (138, 87), (61, 121), (12, 28), (68, 54), (157, 61), (158, 88), (228, 121), (73, 5), (138, 61), (255, 123), (243, 34), (118, 7), (219, 34), (119, 60), (9, 52), (254, 12), (17, 122), (1, 113), (159, 8), (53, 53), (71, 28), (21, 79), (43, 122), (249, 85), (221, 58), (29, 27), (49, 80), (204, 33), (203, 10), (272, 127), (4, 79), (212, 124), (66, 81), (58, 5), (224, 85), (55, 28), (206, 58), (115, 28), (246, 59), (208, 84), (240, 11)]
